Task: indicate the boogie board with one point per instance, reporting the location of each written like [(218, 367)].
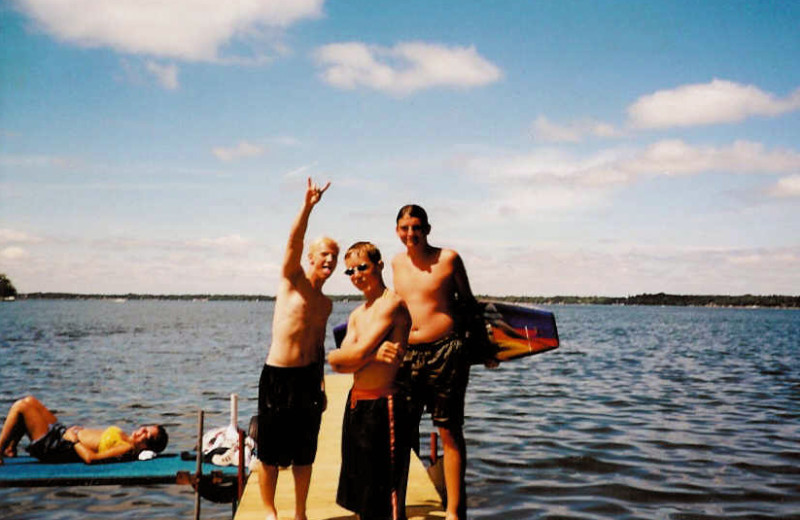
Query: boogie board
[(513, 331), (517, 331)]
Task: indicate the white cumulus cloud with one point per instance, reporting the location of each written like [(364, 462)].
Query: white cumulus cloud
[(189, 30), (554, 167), (676, 157), (241, 150), (711, 103), (405, 68), (564, 180), (786, 187), (13, 253), (622, 165)]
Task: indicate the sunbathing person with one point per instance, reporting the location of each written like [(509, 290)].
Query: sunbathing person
[(52, 442)]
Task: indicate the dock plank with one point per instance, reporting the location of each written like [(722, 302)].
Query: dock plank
[(422, 501)]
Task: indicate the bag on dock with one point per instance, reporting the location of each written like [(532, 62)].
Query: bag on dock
[(221, 447)]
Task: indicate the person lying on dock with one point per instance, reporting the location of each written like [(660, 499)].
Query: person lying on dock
[(374, 441), (52, 442)]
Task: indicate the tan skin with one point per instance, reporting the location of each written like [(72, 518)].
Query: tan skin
[(377, 330), (298, 327), (29, 416), (301, 310), (428, 278)]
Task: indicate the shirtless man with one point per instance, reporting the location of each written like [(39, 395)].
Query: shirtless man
[(374, 448), (433, 282), (291, 393)]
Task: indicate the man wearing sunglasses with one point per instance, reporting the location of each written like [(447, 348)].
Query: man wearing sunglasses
[(375, 447), (291, 394), (434, 375)]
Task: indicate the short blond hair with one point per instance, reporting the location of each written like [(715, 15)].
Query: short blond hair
[(322, 242)]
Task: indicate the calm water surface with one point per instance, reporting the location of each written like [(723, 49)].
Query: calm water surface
[(643, 413)]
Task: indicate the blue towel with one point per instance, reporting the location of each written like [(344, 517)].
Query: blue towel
[(29, 472)]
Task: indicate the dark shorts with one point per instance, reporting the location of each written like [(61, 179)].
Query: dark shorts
[(52, 448), (290, 405), (372, 466), (434, 377)]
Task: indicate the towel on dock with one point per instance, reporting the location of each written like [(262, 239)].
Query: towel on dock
[(29, 472)]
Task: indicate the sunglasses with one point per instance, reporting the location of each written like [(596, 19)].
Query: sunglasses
[(361, 268)]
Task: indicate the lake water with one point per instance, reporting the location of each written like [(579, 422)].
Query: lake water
[(643, 413)]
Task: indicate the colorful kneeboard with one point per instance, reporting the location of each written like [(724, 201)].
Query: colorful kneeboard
[(517, 331), (513, 331)]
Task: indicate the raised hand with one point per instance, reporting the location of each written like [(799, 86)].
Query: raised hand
[(314, 192)]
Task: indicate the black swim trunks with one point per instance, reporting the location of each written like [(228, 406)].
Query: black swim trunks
[(372, 466), (52, 448), (290, 405), (434, 376)]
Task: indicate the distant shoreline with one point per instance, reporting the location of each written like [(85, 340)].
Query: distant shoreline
[(659, 299)]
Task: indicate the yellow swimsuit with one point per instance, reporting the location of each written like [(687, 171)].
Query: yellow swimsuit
[(109, 438)]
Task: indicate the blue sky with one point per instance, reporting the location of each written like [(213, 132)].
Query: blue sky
[(587, 148)]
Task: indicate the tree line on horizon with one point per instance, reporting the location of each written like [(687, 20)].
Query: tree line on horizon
[(657, 299), (664, 299), (7, 289)]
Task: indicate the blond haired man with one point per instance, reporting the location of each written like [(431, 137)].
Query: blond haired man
[(291, 396)]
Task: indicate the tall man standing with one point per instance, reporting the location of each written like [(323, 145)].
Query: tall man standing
[(433, 282), (291, 394)]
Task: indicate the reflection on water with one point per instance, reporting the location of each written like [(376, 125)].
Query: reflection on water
[(665, 413)]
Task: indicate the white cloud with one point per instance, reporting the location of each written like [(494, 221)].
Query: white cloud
[(625, 269), (189, 30), (167, 75), (8, 236), (405, 68), (711, 103), (554, 167), (787, 187), (242, 150), (676, 157), (570, 181), (545, 130), (548, 180), (690, 105), (13, 253), (623, 165), (546, 199)]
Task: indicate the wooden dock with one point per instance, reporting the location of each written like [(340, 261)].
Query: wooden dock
[(422, 501)]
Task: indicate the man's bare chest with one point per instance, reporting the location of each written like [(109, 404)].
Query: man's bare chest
[(414, 280)]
